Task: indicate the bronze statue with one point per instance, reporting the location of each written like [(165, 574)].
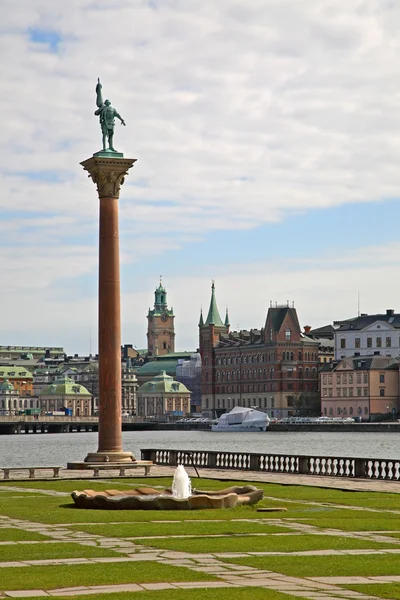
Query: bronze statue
[(107, 116)]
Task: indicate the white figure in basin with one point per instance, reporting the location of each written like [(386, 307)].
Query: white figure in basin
[(181, 486)]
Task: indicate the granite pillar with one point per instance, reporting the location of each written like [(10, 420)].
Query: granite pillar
[(108, 174)]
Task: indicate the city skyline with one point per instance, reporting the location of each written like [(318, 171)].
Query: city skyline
[(267, 139)]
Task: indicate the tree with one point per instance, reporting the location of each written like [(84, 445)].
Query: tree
[(305, 404)]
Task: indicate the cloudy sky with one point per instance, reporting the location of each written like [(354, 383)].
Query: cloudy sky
[(267, 138)]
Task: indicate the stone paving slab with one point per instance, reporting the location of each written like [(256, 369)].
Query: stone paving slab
[(25, 593), (201, 584), (158, 586)]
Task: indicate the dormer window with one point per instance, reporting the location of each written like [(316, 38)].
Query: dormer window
[(271, 334), (288, 334)]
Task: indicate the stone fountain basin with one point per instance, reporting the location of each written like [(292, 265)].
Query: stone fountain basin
[(152, 499)]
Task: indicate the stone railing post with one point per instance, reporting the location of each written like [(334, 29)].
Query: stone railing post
[(212, 460), (359, 467), (303, 465), (254, 462)]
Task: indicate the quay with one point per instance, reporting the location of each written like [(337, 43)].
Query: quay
[(24, 424)]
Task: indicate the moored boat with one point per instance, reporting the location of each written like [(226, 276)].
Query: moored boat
[(242, 419)]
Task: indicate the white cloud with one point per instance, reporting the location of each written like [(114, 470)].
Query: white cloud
[(239, 114)]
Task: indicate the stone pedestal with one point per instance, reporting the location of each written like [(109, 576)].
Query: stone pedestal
[(108, 173)]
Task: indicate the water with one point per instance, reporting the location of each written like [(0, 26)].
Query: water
[(181, 485), (58, 448)]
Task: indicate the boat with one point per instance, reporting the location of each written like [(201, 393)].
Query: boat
[(242, 419)]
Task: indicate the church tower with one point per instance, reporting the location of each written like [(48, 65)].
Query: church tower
[(160, 328)]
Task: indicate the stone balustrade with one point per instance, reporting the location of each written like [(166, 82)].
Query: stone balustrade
[(331, 466)]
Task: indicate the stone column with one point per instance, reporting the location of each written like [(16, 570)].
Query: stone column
[(109, 174)]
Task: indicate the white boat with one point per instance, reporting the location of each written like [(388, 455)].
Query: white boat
[(242, 419)]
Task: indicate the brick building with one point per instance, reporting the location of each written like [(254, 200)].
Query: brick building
[(264, 368)]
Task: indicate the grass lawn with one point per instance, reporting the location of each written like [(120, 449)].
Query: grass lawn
[(12, 534), (242, 593), (54, 510), (359, 521), (59, 576), (374, 500), (325, 566), (25, 552), (269, 543), (124, 530), (380, 590)]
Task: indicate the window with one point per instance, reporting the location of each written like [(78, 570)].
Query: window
[(379, 342), (365, 410), (365, 391), (350, 378), (358, 377), (369, 342), (365, 378), (344, 377), (382, 392), (344, 391), (381, 377), (271, 334), (388, 342), (358, 391), (288, 334), (343, 343), (338, 392), (350, 391), (330, 392), (357, 343), (324, 379), (338, 378)]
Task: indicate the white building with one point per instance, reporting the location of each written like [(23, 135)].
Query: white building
[(368, 335)]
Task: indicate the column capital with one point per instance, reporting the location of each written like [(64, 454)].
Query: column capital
[(108, 174)]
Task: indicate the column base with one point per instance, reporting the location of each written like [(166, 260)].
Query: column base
[(110, 457)]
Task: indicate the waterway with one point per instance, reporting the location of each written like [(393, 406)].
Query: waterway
[(57, 449)]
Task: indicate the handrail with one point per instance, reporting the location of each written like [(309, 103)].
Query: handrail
[(330, 466)]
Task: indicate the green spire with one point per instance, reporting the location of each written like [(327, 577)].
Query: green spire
[(213, 317), (227, 318), (160, 297), (201, 322)]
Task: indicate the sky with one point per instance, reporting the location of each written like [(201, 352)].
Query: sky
[(267, 139)]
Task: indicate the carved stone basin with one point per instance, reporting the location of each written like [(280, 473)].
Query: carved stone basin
[(146, 498)]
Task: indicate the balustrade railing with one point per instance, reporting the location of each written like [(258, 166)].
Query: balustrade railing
[(331, 466)]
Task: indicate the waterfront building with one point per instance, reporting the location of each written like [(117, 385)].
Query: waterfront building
[(188, 372), (155, 365), (21, 379), (366, 387), (160, 328), (129, 388), (66, 393), (326, 339), (368, 335), (163, 396), (263, 368), (29, 352), (12, 402)]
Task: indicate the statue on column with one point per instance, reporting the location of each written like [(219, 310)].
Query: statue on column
[(107, 116)]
